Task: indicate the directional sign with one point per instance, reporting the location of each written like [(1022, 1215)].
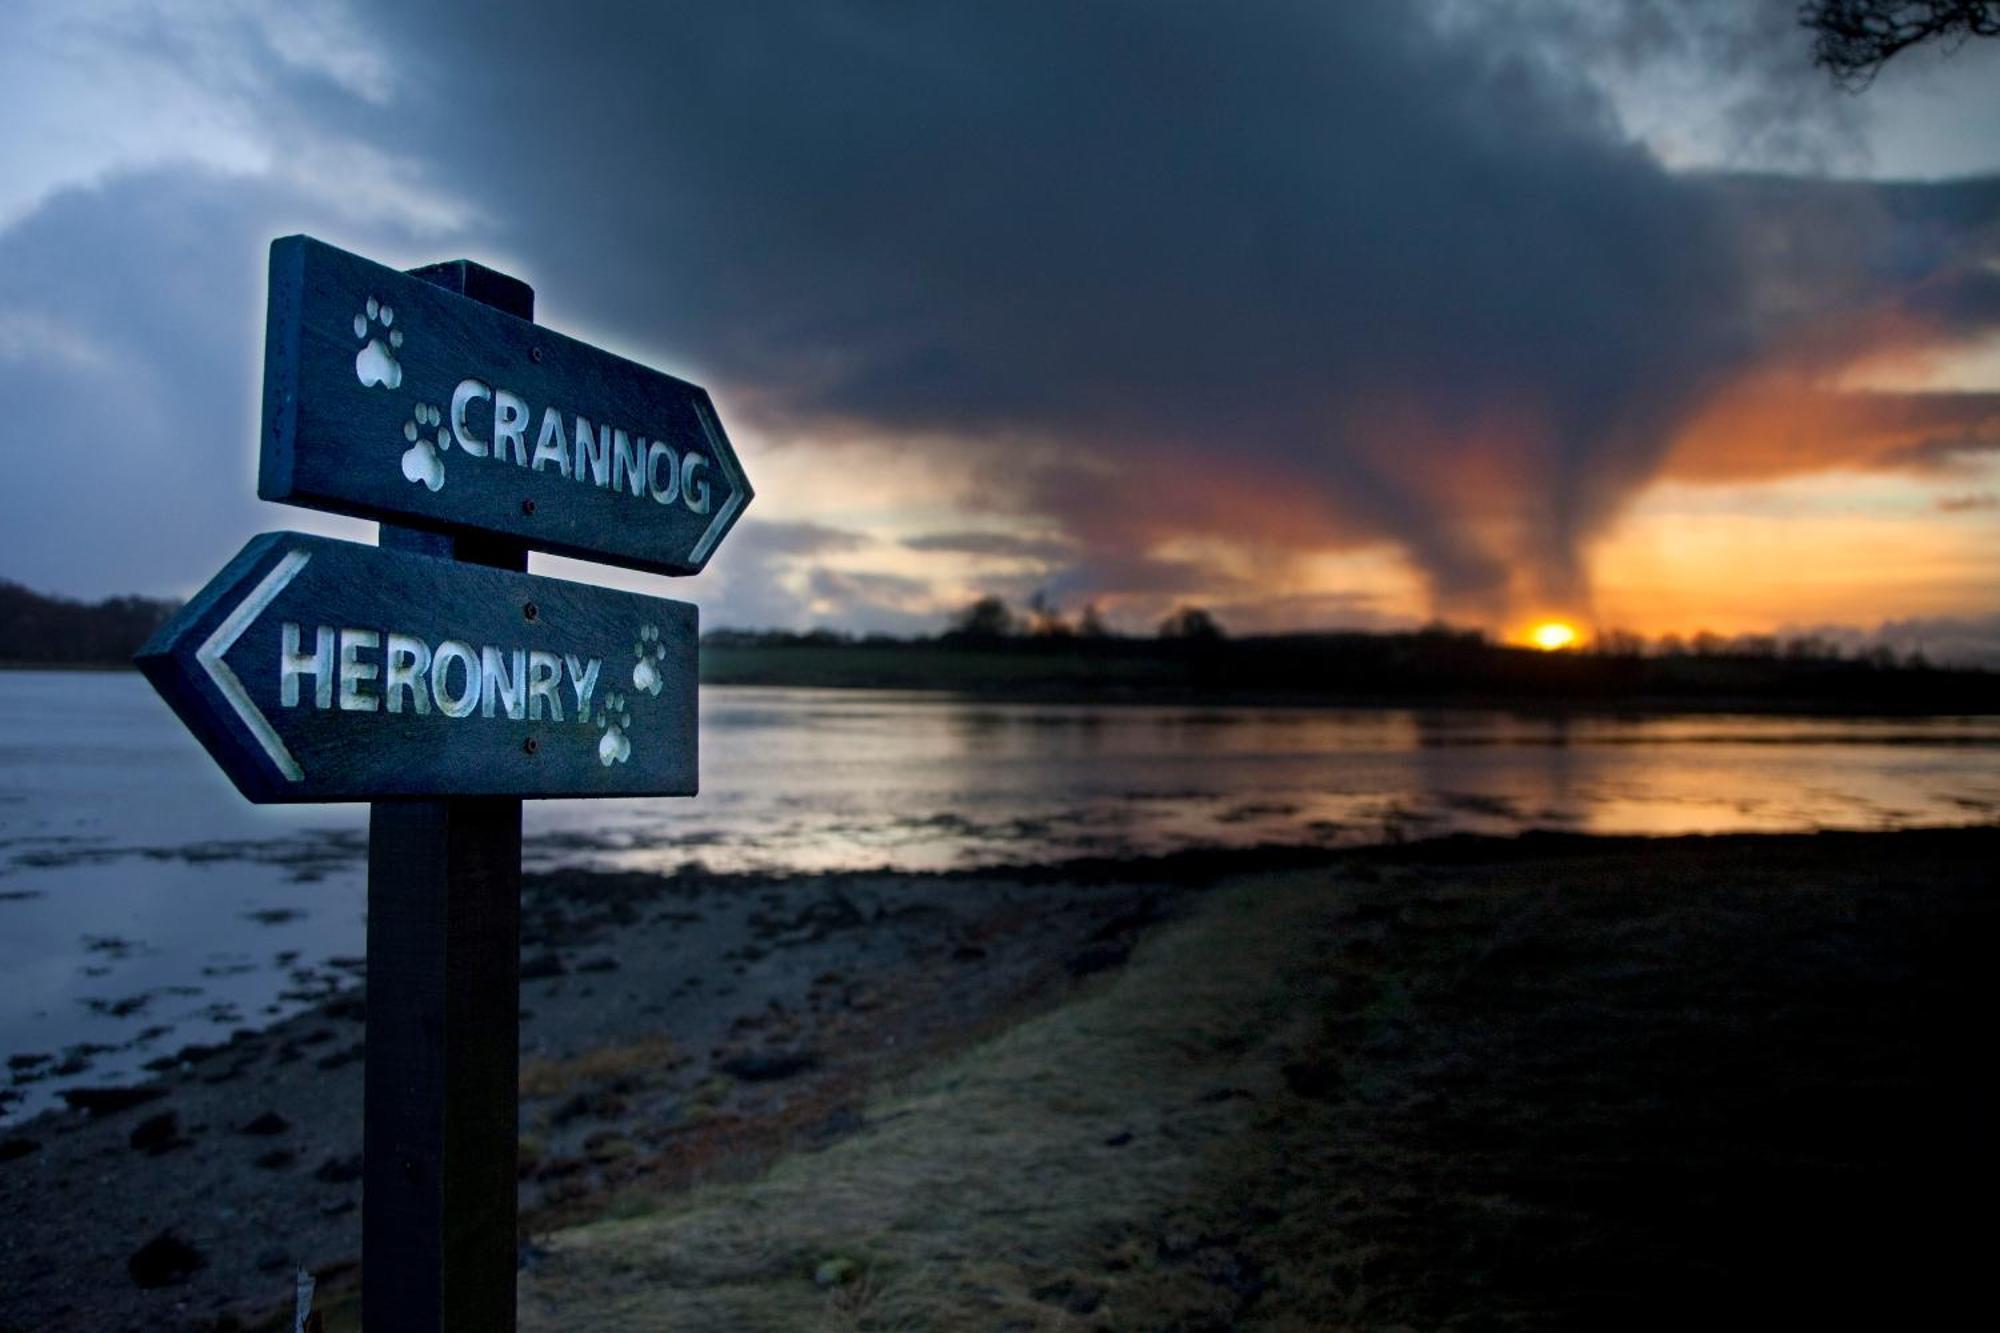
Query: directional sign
[(320, 670), (390, 398)]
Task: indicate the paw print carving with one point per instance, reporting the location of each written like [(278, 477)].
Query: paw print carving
[(423, 461), (376, 362), (615, 720), (648, 653)]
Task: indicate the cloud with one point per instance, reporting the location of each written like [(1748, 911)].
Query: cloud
[(1333, 278), (1196, 297), (758, 539), (1787, 425), (1968, 504), (129, 370), (1000, 545)]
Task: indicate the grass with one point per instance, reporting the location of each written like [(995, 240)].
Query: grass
[(642, 1059), (999, 1189), (1549, 1084), (1735, 1080)]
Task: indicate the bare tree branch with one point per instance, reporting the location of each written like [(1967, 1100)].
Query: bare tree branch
[(1853, 39)]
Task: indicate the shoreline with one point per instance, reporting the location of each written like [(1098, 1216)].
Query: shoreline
[(1528, 704), (692, 1033)]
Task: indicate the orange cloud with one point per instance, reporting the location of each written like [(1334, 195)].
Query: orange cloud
[(1772, 427)]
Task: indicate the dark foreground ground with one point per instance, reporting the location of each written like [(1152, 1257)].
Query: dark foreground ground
[(1541, 1083)]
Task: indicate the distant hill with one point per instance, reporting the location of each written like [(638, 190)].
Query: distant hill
[(53, 631)]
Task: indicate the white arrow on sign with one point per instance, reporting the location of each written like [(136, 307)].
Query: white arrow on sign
[(725, 458), (224, 638)]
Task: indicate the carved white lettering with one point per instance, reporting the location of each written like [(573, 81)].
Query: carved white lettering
[(628, 463), (467, 699), (461, 398), (497, 685), (408, 659), (455, 678), (582, 680), (551, 446), (670, 490), (593, 447), (355, 673), (544, 675), (318, 663), (510, 426), (696, 496)]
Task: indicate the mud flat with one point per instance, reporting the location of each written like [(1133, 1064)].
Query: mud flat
[(1542, 1082), (675, 1029)]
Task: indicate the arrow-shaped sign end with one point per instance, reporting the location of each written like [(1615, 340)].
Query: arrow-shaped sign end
[(224, 636), (739, 486), (164, 659)]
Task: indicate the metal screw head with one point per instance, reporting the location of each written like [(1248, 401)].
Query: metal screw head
[(528, 507), (535, 354), (531, 612), (531, 745)]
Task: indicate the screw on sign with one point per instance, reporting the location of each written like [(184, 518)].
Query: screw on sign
[(434, 677)]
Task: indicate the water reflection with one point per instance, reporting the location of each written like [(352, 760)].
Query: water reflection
[(144, 904), (811, 779)]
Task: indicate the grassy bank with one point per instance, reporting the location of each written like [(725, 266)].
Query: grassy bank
[(1559, 1084), (1432, 669)]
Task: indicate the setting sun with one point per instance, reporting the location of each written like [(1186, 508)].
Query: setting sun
[(1551, 635)]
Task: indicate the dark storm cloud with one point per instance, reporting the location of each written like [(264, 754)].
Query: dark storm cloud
[(1305, 276), (778, 540), (771, 579), (1005, 545), (1942, 453), (129, 365), (1318, 279)]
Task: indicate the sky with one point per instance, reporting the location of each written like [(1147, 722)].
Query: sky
[(1317, 315)]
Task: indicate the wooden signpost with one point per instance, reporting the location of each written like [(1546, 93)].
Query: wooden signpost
[(433, 676)]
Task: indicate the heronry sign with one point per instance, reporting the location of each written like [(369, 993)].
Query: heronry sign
[(319, 670), (435, 677), (388, 397)]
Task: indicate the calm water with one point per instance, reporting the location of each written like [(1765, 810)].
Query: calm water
[(144, 905)]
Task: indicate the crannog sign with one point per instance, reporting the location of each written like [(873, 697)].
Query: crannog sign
[(434, 676), (388, 397), (319, 670)]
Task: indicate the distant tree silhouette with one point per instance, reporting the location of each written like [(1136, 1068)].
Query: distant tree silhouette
[(987, 618), (35, 628), (1853, 39), (1618, 643), (1091, 625), (1045, 619), (1192, 623)]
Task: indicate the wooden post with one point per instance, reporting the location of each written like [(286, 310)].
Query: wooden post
[(438, 1241)]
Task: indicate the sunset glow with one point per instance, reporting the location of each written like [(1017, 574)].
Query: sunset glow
[(1553, 635)]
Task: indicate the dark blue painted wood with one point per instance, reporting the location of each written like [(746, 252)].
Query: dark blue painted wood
[(362, 365), (438, 1247), (642, 701)]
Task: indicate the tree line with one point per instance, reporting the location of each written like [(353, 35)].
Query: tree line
[(40, 630)]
